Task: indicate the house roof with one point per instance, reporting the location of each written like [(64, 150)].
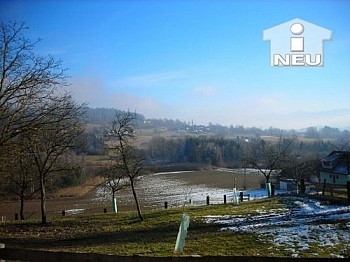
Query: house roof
[(340, 160)]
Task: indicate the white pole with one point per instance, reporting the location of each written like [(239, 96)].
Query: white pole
[(235, 197), (181, 236), (114, 203)]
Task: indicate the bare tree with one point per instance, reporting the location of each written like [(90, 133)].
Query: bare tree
[(127, 162), (26, 80), (342, 143), (17, 173), (31, 106), (51, 145), (115, 181), (267, 157), (296, 167)]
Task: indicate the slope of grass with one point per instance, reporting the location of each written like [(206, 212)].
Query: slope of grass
[(124, 234)]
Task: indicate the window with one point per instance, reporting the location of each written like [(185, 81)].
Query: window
[(327, 164)]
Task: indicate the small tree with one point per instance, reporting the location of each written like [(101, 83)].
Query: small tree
[(115, 181), (268, 157), (51, 145), (126, 160), (296, 167), (18, 173)]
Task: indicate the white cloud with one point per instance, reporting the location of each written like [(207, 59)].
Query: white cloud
[(201, 107)]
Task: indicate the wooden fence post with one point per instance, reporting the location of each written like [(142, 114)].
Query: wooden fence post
[(324, 187), (348, 188), (241, 196), (208, 202), (2, 246), (224, 199), (302, 186)]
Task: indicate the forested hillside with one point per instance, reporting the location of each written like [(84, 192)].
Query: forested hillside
[(168, 141)]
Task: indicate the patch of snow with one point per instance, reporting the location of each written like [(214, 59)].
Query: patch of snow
[(75, 211), (160, 187), (171, 173), (301, 223)]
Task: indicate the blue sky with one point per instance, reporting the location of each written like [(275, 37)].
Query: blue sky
[(204, 61)]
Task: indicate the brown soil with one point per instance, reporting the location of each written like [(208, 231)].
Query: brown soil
[(81, 197)]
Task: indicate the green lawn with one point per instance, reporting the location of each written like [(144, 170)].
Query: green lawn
[(124, 234)]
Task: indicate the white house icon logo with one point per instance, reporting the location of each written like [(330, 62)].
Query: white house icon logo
[(296, 43)]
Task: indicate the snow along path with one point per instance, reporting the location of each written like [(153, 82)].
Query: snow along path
[(300, 224)]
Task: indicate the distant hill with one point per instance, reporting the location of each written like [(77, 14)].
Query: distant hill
[(103, 116)]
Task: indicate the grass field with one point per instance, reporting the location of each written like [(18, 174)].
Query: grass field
[(124, 234)]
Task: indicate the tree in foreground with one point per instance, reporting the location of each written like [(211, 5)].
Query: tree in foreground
[(32, 109), (126, 160), (27, 80), (52, 145), (18, 174)]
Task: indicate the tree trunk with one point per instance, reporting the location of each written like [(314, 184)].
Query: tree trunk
[(43, 200), (136, 200), (21, 210), (267, 179)]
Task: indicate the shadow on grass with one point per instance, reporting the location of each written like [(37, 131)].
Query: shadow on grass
[(136, 233)]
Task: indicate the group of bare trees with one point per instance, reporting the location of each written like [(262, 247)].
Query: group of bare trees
[(279, 156), (39, 122)]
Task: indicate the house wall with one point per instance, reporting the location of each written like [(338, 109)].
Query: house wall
[(283, 185), (331, 178), (287, 185)]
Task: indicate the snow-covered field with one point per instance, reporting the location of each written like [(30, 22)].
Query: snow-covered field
[(303, 227), (158, 188), (178, 188), (299, 226)]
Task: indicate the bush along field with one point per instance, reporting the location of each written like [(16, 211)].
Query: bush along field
[(283, 226)]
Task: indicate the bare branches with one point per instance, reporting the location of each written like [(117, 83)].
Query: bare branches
[(31, 110), (267, 157), (126, 162), (27, 82)]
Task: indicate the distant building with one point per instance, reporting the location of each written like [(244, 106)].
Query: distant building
[(287, 184), (335, 168)]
